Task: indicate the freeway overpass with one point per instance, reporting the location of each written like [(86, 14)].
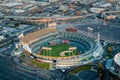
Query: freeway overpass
[(40, 19)]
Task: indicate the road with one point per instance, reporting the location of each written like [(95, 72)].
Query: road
[(11, 71)]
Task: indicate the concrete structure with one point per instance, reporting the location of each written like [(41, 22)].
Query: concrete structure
[(96, 10), (52, 0), (2, 37), (86, 2)]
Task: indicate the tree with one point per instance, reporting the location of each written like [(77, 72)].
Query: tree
[(110, 49), (16, 24)]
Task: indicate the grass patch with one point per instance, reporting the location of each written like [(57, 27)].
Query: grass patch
[(43, 65), (76, 70), (22, 55), (109, 55), (57, 49)]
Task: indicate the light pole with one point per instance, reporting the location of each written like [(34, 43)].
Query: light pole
[(104, 22), (90, 30), (116, 5)]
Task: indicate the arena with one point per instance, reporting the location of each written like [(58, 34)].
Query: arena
[(115, 65), (117, 59), (64, 48)]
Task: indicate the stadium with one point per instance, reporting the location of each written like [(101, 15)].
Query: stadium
[(62, 48)]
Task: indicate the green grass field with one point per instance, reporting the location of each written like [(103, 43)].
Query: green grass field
[(43, 65), (57, 49)]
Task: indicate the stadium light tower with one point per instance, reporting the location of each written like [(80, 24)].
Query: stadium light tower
[(98, 37), (117, 4), (90, 30), (104, 22)]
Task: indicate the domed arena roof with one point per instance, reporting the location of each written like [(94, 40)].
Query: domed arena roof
[(117, 59)]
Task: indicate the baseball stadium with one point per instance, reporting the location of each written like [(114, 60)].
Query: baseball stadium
[(64, 48)]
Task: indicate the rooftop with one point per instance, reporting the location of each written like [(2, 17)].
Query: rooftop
[(11, 4)]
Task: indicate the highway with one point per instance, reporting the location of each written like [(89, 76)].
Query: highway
[(45, 19), (39, 19)]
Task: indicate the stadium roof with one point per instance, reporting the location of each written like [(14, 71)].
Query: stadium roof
[(117, 59)]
